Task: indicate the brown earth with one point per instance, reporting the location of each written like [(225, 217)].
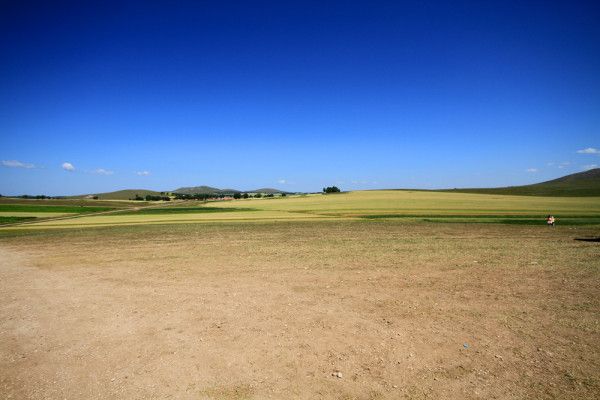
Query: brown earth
[(236, 311)]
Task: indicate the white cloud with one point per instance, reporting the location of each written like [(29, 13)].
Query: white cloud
[(282, 181), (589, 150), (17, 164), (142, 173), (532, 170), (67, 166), (563, 164), (102, 171), (590, 166)]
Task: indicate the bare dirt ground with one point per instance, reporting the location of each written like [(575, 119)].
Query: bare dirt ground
[(236, 311)]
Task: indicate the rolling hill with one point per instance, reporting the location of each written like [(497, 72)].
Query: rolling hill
[(212, 190), (126, 194), (267, 191), (581, 184), (204, 190)]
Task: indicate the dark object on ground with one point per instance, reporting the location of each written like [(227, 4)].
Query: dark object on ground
[(597, 239)]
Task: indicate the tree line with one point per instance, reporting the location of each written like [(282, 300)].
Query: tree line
[(220, 196)]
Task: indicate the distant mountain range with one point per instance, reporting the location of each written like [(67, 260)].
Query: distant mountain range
[(585, 183), (581, 184), (212, 190), (128, 194)]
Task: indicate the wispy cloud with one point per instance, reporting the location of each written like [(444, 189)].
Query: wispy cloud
[(532, 170), (363, 182), (282, 181), (17, 164), (589, 150), (142, 173), (564, 164), (590, 166), (102, 171), (67, 166)]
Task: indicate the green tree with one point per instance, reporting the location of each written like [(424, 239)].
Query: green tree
[(331, 189)]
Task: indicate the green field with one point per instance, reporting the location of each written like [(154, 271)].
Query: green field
[(410, 206), (16, 213), (14, 219), (75, 209), (16, 210)]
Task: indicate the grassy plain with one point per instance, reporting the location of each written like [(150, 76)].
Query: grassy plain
[(71, 202), (11, 219), (42, 208), (239, 310), (16, 210), (401, 205), (378, 202)]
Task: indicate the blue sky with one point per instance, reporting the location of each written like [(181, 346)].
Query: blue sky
[(295, 95)]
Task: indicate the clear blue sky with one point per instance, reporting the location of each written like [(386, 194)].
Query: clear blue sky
[(295, 95)]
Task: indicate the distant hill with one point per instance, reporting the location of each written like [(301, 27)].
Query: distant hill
[(267, 191), (120, 194), (585, 183), (204, 190), (127, 194), (212, 190)]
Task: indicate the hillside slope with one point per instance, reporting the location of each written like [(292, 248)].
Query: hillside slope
[(267, 191), (126, 194), (213, 190), (204, 190), (585, 183)]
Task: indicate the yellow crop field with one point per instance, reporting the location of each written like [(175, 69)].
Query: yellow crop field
[(410, 205), (417, 202)]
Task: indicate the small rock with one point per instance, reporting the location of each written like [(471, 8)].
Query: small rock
[(466, 345), (395, 386), (337, 374), (498, 357)]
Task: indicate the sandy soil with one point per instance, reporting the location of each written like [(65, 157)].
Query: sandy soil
[(277, 310)]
